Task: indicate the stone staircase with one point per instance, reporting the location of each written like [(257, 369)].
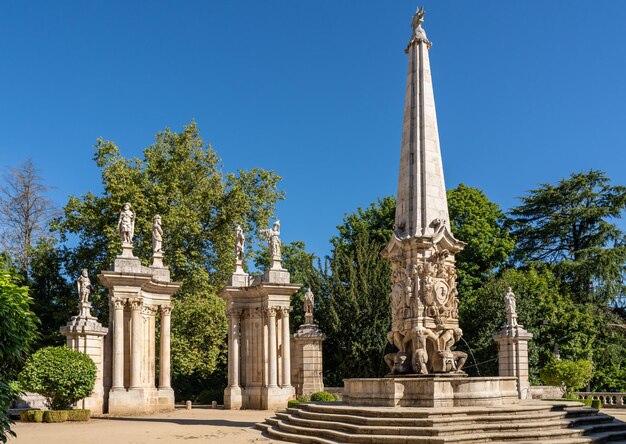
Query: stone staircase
[(528, 422)]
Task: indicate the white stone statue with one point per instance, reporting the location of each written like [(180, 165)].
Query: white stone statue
[(511, 308), (157, 235), (84, 286), (309, 300), (273, 242), (240, 242), (126, 225)]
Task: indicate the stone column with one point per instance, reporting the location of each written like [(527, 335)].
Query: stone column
[(273, 374), (135, 352), (234, 324), (164, 351), (117, 379), (286, 355)]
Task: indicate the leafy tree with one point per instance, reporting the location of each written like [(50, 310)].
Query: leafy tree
[(481, 224), (570, 225), (24, 211), (573, 375), (62, 375), (552, 318), (55, 299), (180, 179), (355, 311), (18, 326)]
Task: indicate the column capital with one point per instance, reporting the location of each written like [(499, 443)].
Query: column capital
[(118, 302), (165, 309), (149, 310), (284, 311), (136, 304), (234, 313), (270, 311)]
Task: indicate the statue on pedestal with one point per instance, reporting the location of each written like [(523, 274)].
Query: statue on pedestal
[(157, 235), (309, 300), (240, 241), (84, 286), (273, 242), (511, 308), (126, 225)]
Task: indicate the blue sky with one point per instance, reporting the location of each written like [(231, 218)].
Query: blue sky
[(526, 92)]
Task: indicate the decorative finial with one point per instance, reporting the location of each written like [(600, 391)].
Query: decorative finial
[(418, 18)]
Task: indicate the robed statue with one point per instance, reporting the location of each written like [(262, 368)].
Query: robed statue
[(84, 286), (126, 224)]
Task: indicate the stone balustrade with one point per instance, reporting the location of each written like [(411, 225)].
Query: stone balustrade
[(609, 399)]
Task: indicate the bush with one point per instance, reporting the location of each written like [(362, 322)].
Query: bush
[(55, 415), (596, 404), (322, 397), (31, 415), (293, 403), (18, 331), (574, 375), (62, 375), (78, 415), (303, 398)]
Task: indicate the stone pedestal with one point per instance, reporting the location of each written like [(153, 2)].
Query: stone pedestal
[(85, 334), (430, 391), (513, 356), (306, 359), (137, 295), (259, 352)]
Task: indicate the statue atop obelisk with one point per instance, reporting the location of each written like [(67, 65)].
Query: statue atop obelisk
[(423, 295)]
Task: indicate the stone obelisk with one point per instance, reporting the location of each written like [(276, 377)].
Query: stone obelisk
[(421, 250)]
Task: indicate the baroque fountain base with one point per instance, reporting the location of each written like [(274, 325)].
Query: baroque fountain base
[(431, 391)]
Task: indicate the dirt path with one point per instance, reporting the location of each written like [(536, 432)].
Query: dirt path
[(201, 424)]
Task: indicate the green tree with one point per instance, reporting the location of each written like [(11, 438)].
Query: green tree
[(573, 375), (544, 311), (179, 178), (62, 375), (479, 223), (18, 325), (55, 299), (355, 311), (570, 225)]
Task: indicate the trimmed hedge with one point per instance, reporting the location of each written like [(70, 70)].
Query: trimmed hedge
[(31, 415), (323, 397), (55, 416), (596, 404), (293, 403), (78, 415)]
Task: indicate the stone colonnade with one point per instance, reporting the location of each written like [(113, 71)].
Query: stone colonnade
[(137, 294), (259, 351)]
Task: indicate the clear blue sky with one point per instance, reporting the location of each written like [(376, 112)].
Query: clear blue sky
[(526, 92)]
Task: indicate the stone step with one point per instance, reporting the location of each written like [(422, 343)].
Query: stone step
[(276, 433), (443, 429), (430, 422), (430, 413)]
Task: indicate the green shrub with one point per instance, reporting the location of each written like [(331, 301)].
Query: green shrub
[(596, 404), (292, 403), (337, 396), (62, 375), (573, 375), (303, 398), (31, 415), (322, 397), (78, 415), (55, 415), (24, 416)]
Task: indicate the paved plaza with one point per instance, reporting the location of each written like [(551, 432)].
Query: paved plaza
[(201, 423)]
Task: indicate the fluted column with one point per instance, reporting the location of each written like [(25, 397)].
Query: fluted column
[(135, 349), (273, 374), (117, 371), (235, 317), (164, 349), (286, 352)]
